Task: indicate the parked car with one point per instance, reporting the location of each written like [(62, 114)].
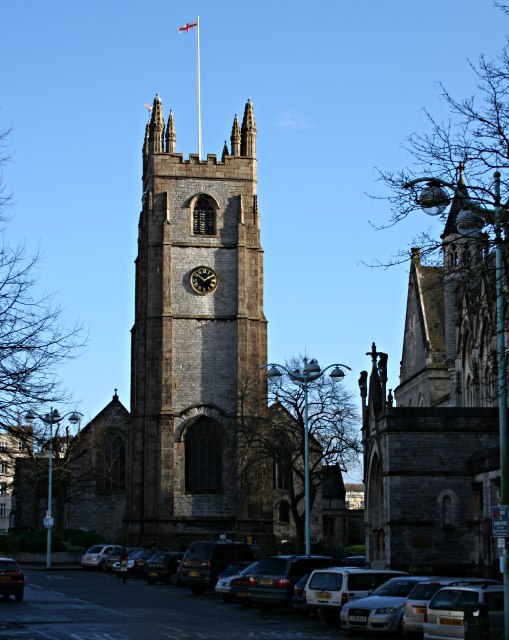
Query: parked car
[(445, 612), (162, 567), (239, 586), (223, 584), (417, 601), (131, 558), (140, 562), (96, 556), (114, 557), (274, 578), (203, 561), (12, 581), (299, 596), (382, 610), (329, 589)]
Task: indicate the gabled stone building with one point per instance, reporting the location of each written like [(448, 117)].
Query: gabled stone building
[(431, 451)]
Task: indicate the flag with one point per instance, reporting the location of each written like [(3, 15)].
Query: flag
[(187, 27)]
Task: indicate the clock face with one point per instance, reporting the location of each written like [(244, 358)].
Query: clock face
[(203, 280)]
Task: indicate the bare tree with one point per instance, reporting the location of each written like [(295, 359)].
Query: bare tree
[(275, 447), (34, 344), (5, 198), (476, 135)]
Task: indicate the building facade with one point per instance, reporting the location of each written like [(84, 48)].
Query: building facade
[(431, 449), (199, 337)]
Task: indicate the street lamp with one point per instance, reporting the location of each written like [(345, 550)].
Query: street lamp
[(470, 220), (51, 418), (310, 373)]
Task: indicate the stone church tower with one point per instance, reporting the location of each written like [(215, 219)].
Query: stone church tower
[(198, 340)]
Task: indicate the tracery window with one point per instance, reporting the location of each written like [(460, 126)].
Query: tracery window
[(204, 216), (204, 456)]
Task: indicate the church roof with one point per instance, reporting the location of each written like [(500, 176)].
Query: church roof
[(333, 485), (432, 294)]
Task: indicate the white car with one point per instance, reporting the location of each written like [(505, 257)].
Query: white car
[(95, 557), (382, 611), (327, 590)]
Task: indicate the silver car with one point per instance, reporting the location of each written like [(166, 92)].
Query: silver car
[(95, 557), (382, 611), (417, 601), (445, 613)]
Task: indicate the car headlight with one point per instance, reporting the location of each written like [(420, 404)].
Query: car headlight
[(385, 610)]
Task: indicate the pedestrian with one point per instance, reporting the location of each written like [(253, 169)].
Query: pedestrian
[(123, 565)]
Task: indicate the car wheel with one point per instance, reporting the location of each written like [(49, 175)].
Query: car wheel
[(197, 590), (19, 596), (172, 578), (151, 581), (265, 607)]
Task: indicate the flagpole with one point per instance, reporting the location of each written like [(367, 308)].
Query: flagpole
[(199, 91)]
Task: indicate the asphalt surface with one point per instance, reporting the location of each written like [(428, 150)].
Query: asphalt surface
[(83, 605)]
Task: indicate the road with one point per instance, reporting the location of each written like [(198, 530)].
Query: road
[(82, 605)]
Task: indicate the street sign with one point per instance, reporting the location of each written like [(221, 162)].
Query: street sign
[(500, 521), (48, 522)]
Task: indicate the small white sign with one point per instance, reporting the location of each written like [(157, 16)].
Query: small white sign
[(48, 522)]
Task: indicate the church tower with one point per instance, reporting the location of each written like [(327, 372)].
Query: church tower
[(199, 336)]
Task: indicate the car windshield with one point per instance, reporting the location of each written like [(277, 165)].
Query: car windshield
[(157, 557), (453, 598), (425, 590), (326, 581), (5, 565), (95, 549), (249, 569), (395, 587), (272, 566), (199, 550)]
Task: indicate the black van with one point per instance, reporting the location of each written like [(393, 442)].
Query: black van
[(204, 560)]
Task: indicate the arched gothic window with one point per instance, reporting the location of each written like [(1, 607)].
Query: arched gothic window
[(282, 468), (284, 511), (447, 503), (204, 457), (111, 465), (204, 216)]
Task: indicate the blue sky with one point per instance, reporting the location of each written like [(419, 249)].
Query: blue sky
[(336, 86)]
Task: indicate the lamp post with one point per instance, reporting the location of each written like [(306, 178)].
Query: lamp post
[(434, 199), (51, 418), (310, 373)]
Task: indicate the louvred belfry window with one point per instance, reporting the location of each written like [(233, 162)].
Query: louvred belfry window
[(204, 217)]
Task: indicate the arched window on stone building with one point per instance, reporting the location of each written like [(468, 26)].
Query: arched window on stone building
[(467, 369), (284, 512), (111, 460), (282, 467), (204, 216), (447, 502), (203, 442)]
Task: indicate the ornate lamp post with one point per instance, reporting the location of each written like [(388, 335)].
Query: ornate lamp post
[(310, 373), (434, 199), (51, 418)]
